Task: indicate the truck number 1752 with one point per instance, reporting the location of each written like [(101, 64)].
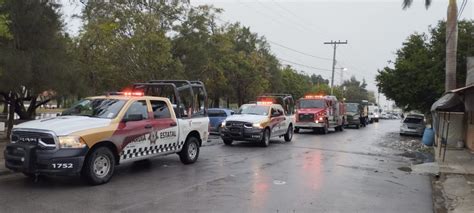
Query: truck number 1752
[(62, 165)]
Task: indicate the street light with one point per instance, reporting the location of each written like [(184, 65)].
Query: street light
[(342, 72)]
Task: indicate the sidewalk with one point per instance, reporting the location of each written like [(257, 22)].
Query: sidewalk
[(453, 191)]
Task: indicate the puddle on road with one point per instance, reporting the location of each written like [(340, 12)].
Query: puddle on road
[(279, 182), (405, 169)]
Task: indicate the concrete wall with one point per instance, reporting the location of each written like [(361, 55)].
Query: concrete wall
[(469, 104), (470, 71), (456, 131), (470, 130)]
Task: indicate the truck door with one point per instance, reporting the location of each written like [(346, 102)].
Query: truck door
[(134, 131), (277, 118), (164, 136)]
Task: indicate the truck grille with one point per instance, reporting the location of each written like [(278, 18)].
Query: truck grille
[(41, 139), (306, 117)]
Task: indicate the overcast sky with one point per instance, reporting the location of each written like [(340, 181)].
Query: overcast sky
[(375, 29)]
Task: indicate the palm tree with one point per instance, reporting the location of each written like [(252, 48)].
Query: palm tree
[(451, 41)]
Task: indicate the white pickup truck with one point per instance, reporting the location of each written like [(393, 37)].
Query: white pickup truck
[(98, 133), (260, 121)]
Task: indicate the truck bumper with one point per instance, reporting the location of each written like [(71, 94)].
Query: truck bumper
[(309, 125), (28, 159), (353, 122), (242, 135)]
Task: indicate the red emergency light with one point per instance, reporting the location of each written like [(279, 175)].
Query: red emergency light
[(132, 93), (265, 100), (313, 96)]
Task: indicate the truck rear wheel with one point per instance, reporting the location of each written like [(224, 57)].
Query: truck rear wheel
[(99, 166), (190, 152)]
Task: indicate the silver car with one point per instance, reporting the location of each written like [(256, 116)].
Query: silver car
[(413, 124)]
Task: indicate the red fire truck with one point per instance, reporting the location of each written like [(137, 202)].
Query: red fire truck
[(320, 113)]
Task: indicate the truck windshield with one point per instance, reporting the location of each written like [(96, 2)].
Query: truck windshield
[(311, 103), (352, 107), (254, 109), (98, 108)]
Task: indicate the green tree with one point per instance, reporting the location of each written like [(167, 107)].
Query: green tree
[(294, 83), (34, 58), (126, 42), (4, 21), (355, 90), (416, 79), (451, 41)]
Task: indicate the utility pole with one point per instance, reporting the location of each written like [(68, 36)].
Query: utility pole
[(335, 43)]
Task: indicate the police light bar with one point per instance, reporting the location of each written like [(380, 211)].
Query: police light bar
[(264, 102), (313, 96), (133, 93), (127, 93), (266, 99)]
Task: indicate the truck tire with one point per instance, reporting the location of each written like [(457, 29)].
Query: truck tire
[(358, 126), (289, 134), (228, 142), (297, 130), (190, 152), (99, 166), (324, 130), (266, 138)]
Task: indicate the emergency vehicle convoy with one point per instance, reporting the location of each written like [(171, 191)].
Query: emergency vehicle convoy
[(319, 113), (98, 133), (271, 116)]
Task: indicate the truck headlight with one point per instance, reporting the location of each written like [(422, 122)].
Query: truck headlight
[(258, 125), (71, 142), (223, 124)]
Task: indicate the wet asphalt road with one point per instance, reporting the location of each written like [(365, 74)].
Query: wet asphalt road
[(340, 172)]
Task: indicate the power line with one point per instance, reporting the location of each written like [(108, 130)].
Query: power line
[(304, 65), (461, 9), (463, 5), (297, 51), (308, 24), (276, 21)]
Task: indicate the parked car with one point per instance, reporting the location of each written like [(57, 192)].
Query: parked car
[(413, 124), (216, 116)]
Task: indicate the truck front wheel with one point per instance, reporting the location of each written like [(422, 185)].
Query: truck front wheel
[(99, 166), (266, 138), (190, 152), (324, 130), (289, 134), (228, 142)]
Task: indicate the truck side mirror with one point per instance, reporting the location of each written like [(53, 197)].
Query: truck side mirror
[(275, 114)]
